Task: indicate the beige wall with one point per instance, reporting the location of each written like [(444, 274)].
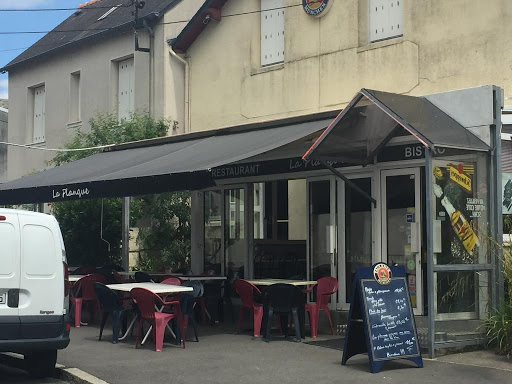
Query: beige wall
[(159, 87), (446, 45)]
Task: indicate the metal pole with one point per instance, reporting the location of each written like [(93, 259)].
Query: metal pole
[(498, 291), (430, 252), (125, 233)]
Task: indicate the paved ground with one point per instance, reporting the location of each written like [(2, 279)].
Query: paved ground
[(221, 356), (10, 375)]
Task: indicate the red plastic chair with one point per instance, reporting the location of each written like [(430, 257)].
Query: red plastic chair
[(246, 292), (172, 281), (83, 291), (324, 289), (118, 278), (145, 300)]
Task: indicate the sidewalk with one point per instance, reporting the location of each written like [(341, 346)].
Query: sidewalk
[(221, 356)]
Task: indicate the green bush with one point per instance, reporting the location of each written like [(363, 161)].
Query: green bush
[(499, 328), (80, 220)]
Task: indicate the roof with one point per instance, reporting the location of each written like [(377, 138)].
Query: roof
[(83, 25), (373, 118), (182, 163), (4, 103), (210, 10)]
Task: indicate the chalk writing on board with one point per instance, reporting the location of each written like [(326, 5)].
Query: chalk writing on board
[(390, 319)]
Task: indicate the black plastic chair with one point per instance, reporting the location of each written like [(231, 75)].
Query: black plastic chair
[(284, 299), (187, 301), (111, 304), (142, 277)]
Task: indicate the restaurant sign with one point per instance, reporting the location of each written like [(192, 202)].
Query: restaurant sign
[(66, 193)]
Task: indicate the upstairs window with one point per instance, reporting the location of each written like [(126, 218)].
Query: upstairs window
[(386, 19), (125, 94), (272, 32), (39, 115), (74, 97)]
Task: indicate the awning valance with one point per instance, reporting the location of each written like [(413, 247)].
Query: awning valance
[(373, 118), (175, 163)]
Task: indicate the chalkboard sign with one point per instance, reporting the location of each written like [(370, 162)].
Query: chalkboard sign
[(381, 313), (390, 319)]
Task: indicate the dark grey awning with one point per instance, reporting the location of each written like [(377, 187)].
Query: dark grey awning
[(174, 163), (373, 118)]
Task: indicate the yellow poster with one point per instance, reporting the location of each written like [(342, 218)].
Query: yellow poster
[(460, 178)]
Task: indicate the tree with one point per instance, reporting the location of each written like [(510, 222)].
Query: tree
[(80, 221)]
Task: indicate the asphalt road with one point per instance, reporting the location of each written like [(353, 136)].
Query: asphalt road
[(10, 375)]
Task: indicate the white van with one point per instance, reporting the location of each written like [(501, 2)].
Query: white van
[(34, 302)]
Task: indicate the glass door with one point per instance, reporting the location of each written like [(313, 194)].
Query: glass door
[(401, 227), (322, 240), (355, 234), (235, 245)]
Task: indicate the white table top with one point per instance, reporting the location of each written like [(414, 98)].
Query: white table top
[(182, 277), (74, 278), (153, 287), (280, 281)]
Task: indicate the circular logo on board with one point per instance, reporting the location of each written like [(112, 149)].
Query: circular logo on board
[(316, 8), (382, 273)]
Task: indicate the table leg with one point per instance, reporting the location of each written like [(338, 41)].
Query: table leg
[(129, 329)]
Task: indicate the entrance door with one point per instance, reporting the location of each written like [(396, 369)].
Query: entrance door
[(322, 251), (401, 227)]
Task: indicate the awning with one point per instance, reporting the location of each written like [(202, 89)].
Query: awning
[(174, 163), (373, 118)]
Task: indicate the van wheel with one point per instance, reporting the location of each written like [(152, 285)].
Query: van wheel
[(41, 364)]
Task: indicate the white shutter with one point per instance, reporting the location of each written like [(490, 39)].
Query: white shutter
[(395, 17), (125, 92), (272, 31), (386, 18), (39, 114)]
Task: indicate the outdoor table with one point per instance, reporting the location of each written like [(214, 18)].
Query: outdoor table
[(281, 281), (74, 278), (157, 288)]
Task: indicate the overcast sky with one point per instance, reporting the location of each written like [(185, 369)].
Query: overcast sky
[(12, 45)]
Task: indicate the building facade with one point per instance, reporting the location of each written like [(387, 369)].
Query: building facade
[(59, 84)]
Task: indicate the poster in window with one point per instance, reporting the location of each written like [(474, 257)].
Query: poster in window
[(459, 205)]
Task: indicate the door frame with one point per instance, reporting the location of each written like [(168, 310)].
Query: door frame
[(384, 173), (343, 294), (333, 219)]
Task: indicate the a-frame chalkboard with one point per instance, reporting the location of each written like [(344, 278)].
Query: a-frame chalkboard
[(381, 322)]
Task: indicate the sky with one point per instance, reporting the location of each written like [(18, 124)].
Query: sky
[(12, 45)]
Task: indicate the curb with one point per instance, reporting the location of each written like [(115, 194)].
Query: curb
[(72, 375)]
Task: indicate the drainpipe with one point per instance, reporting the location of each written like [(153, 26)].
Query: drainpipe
[(186, 127)]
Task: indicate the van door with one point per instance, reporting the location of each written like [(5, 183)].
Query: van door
[(9, 275), (42, 277)]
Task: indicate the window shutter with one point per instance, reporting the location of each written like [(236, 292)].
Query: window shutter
[(386, 18), (39, 115), (126, 91), (272, 32)]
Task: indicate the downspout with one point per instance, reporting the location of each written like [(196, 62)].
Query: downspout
[(186, 123)]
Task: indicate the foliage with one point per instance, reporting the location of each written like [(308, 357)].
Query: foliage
[(499, 328), (165, 243), (80, 220)]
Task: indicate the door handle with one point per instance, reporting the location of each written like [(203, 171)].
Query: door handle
[(13, 298)]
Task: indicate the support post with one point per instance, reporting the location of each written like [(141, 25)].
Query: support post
[(431, 289), (125, 233), (498, 291)]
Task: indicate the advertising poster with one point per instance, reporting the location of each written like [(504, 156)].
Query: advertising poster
[(458, 206), (506, 182)]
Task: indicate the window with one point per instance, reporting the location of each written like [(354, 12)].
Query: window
[(125, 106), (272, 32), (74, 97), (39, 115), (386, 17)]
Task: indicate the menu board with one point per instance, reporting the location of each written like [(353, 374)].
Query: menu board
[(390, 320), (380, 321)]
